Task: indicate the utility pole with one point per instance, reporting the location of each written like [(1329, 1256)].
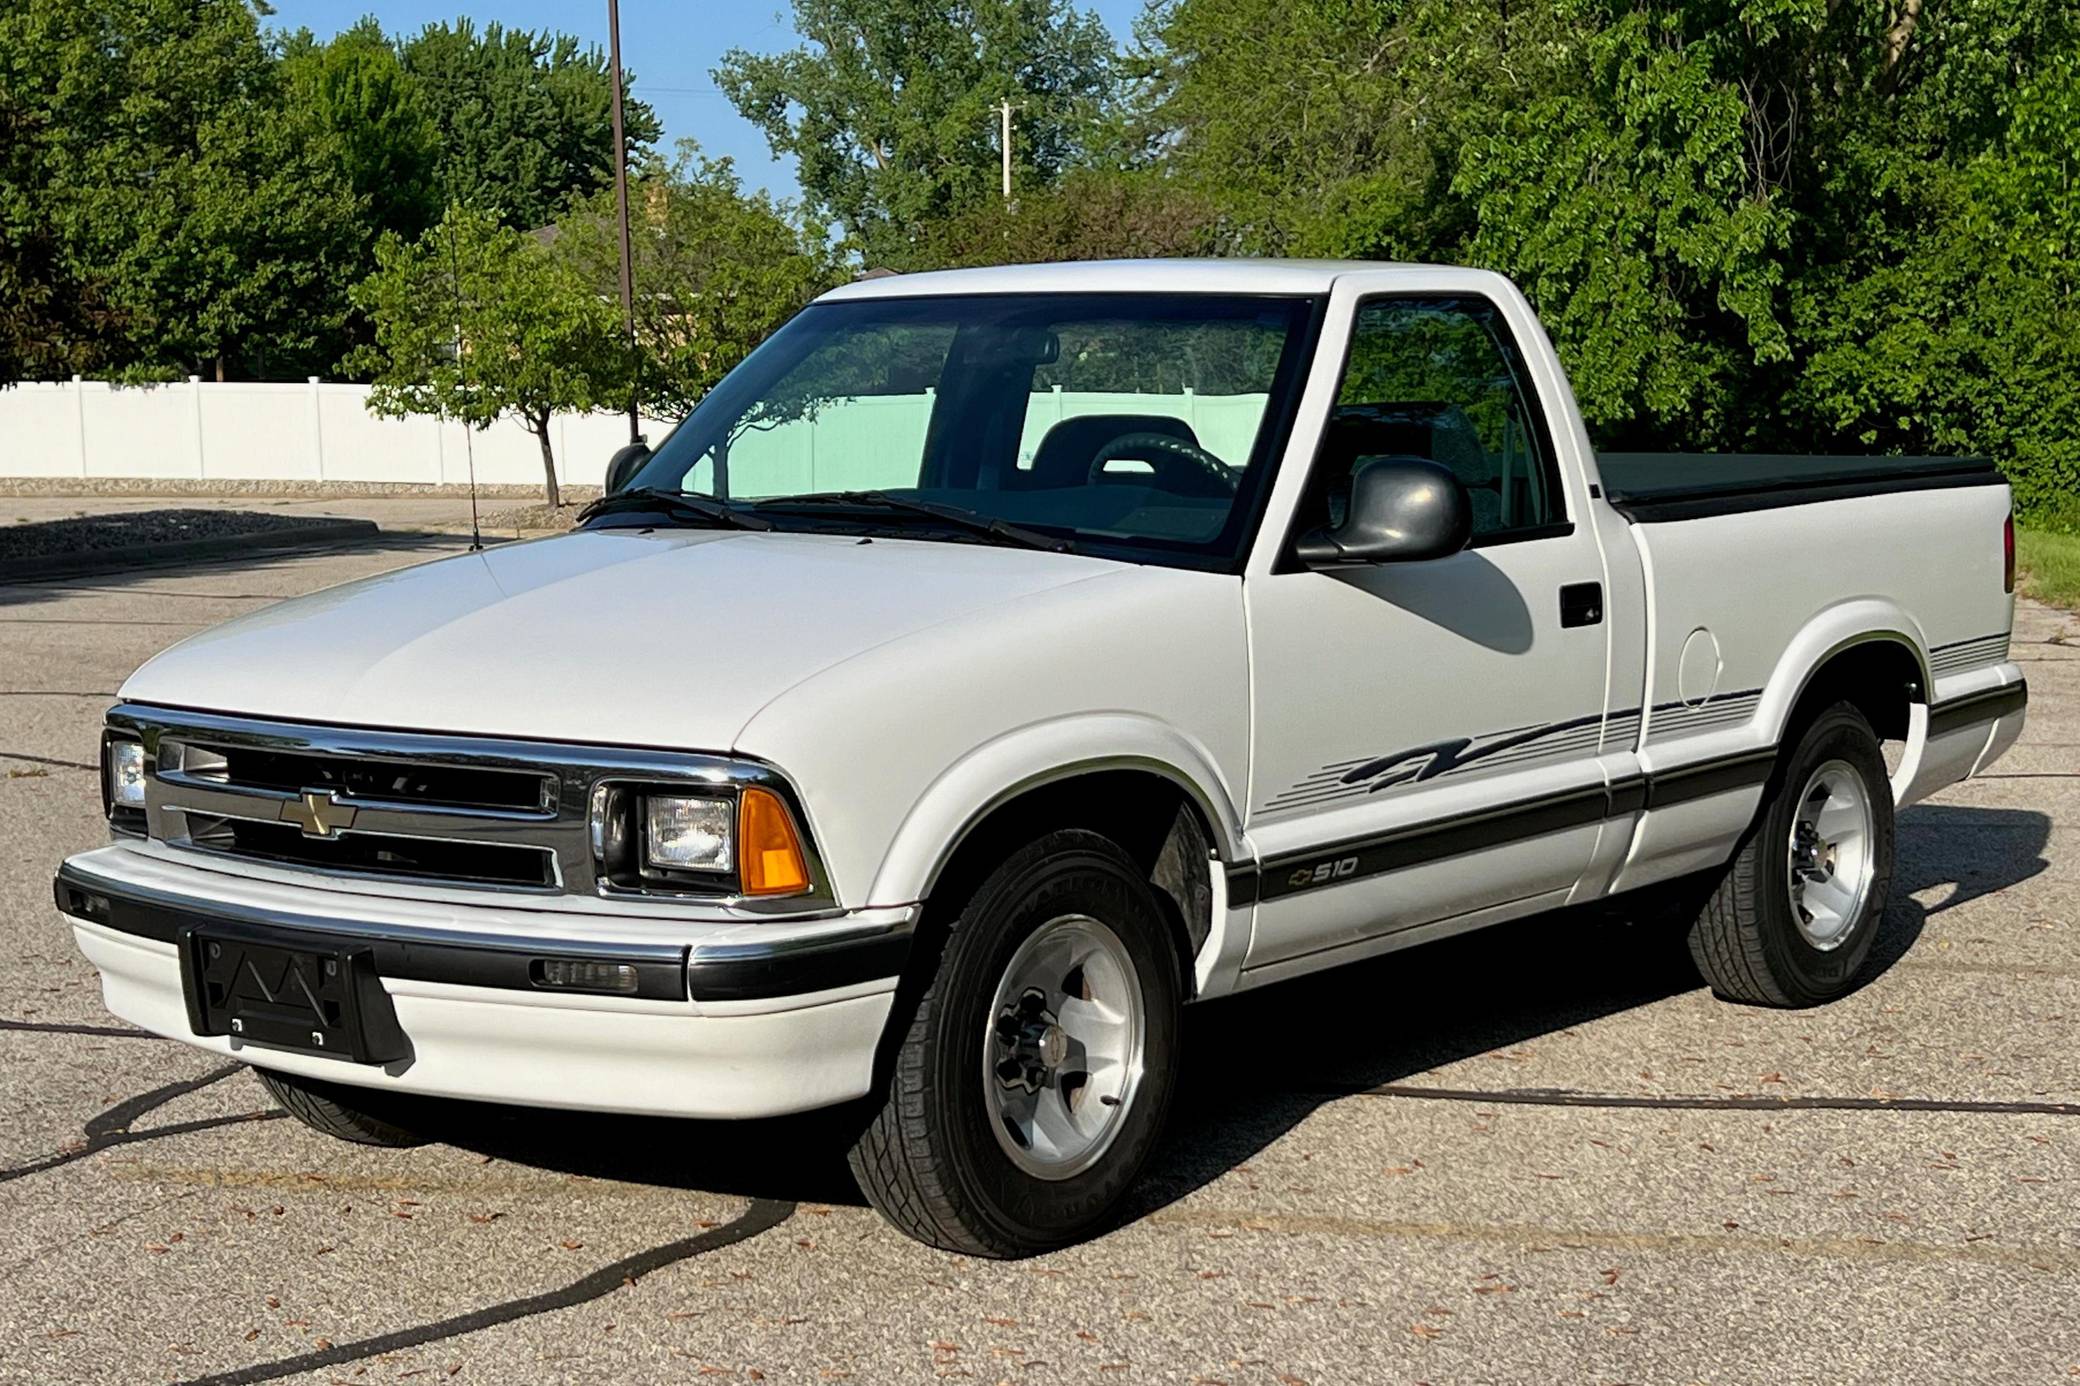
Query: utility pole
[(1005, 141), (628, 292)]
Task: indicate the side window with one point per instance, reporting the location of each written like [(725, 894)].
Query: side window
[(1441, 378)]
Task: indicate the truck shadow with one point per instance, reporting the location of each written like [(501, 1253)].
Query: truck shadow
[(1258, 1064)]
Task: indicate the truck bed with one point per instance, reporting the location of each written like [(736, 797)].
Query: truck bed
[(1656, 486)]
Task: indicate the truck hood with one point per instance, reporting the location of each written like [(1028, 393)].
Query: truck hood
[(670, 638)]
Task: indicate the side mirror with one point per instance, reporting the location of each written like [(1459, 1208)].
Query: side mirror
[(624, 464), (1402, 510)]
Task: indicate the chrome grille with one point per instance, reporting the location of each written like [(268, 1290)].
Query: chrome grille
[(473, 812), (375, 854), (404, 782)]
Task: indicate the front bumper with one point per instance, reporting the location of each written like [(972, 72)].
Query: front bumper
[(728, 1019)]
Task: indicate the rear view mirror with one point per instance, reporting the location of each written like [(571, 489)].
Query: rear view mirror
[(1402, 510), (624, 464)]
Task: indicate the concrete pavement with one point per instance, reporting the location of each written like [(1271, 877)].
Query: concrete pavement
[(1536, 1154)]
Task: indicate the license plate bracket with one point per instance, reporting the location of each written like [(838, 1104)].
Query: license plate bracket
[(313, 996)]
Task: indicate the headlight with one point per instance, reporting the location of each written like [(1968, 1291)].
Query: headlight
[(688, 834), (663, 839), (124, 773)]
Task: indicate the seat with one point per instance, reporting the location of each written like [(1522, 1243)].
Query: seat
[(1066, 451), (1358, 433)]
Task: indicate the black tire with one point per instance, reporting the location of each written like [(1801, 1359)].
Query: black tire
[(930, 1160), (1746, 939), (345, 1113)]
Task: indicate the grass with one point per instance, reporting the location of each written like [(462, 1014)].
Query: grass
[(2049, 567)]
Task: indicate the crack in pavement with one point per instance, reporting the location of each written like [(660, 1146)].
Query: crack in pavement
[(112, 1127), (2032, 775), (1534, 1238), (124, 591), (761, 1216), (55, 1027), (1568, 1097), (90, 621), (48, 760), (1988, 969)]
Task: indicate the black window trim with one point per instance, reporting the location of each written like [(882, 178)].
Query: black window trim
[(1561, 528)]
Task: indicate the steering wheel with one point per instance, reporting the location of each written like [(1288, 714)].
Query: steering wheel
[(1181, 468)]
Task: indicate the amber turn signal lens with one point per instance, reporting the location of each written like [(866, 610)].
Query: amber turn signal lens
[(769, 854)]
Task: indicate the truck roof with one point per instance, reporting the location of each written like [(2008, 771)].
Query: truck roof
[(1123, 276)]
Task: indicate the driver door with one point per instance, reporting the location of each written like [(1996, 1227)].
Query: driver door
[(1426, 733)]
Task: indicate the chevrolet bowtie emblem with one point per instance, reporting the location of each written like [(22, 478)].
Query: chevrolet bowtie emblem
[(319, 815)]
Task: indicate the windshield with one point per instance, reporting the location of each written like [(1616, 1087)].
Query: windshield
[(1137, 424)]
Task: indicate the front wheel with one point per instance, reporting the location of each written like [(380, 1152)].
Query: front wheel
[(1033, 1080), (342, 1112), (1792, 920)]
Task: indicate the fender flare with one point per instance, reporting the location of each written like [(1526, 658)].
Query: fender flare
[(1835, 629), (1042, 753)]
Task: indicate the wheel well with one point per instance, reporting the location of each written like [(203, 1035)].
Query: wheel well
[(1152, 818), (1149, 815), (1882, 678)]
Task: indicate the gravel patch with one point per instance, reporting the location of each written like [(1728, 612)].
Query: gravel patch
[(299, 490), (133, 529), (533, 518)]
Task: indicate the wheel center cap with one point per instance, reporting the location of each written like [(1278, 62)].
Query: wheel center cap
[(1053, 1046)]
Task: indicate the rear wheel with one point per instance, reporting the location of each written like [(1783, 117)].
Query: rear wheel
[(345, 1113), (1794, 916), (1033, 1080)]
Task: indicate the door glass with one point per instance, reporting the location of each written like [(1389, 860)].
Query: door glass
[(1441, 379)]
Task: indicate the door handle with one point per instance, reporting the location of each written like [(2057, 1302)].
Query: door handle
[(1581, 604)]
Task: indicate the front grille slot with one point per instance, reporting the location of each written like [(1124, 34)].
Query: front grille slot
[(414, 858), (393, 781)]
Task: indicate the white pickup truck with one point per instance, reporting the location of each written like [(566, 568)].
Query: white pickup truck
[(999, 660)]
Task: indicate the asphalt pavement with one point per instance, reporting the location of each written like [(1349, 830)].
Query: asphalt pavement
[(1542, 1153)]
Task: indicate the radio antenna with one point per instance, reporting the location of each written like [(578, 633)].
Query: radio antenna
[(469, 433)]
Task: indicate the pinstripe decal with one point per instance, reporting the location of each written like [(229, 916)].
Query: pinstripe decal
[(1341, 862), (1518, 748), (1672, 720), (1969, 654)]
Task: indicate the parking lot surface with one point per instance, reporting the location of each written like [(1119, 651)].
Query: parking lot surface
[(1537, 1154)]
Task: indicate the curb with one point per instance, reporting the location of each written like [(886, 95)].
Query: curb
[(150, 555)]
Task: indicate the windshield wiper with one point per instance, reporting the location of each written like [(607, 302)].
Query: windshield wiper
[(973, 521), (678, 504)]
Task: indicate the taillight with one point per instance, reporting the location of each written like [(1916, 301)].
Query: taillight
[(2008, 555)]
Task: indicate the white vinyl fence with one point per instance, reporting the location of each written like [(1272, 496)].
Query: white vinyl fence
[(317, 431)]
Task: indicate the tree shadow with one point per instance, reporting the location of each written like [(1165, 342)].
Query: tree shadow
[(1258, 1064), (418, 545)]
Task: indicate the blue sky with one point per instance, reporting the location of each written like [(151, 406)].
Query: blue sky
[(670, 46)]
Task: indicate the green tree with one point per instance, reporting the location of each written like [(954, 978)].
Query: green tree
[(715, 272), (152, 174), (1318, 127), (475, 321), (525, 118), (353, 93), (890, 107), (1629, 210), (1088, 214), (1966, 336), (52, 319)]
